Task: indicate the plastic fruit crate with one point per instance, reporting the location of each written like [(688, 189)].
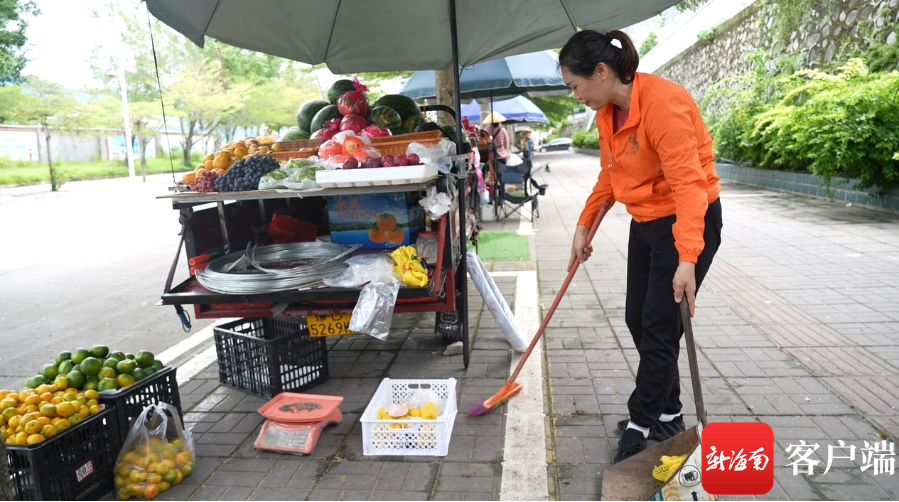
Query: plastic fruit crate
[(268, 356), (412, 436), (128, 403), (76, 464)]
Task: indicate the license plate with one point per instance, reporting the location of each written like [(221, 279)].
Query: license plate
[(328, 325)]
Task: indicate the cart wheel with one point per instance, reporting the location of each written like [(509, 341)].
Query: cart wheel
[(449, 325)]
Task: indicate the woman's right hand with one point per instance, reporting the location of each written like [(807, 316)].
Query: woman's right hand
[(580, 250)]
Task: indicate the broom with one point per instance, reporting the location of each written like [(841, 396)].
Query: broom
[(511, 387)]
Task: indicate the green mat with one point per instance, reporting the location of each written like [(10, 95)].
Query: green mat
[(503, 246)]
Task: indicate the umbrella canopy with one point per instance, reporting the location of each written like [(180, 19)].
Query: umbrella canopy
[(532, 73), (517, 109), (362, 35)]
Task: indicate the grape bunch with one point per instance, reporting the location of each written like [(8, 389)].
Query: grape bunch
[(205, 182), (245, 173)]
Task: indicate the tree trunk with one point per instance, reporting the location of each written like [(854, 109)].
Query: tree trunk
[(54, 181), (443, 85), (188, 143), (143, 155), (5, 482)]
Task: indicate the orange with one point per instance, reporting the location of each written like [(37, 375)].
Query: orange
[(46, 397), (125, 380), (137, 476), (123, 493), (76, 419), (32, 399), (377, 236), (151, 491), (91, 394), (93, 410), (153, 478), (188, 468), (32, 427), (396, 236), (65, 409), (44, 420), (34, 439), (48, 431), (123, 470), (178, 477), (164, 486), (21, 437), (129, 457), (48, 410), (386, 222), (208, 164), (183, 458)]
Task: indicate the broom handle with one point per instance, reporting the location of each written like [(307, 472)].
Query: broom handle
[(694, 363), (602, 212)]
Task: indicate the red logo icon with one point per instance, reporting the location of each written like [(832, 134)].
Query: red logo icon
[(737, 458)]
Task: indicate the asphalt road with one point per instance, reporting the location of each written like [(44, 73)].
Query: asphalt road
[(85, 266)]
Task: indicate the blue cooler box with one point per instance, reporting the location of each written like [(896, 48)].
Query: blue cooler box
[(376, 221)]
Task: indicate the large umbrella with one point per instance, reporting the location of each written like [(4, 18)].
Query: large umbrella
[(354, 36), (533, 73), (517, 109)]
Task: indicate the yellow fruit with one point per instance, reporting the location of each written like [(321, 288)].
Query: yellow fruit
[(32, 427), (34, 438), (46, 397), (137, 476), (48, 431), (93, 410), (415, 412), (125, 380), (123, 493), (31, 408), (13, 422), (91, 394), (43, 420), (32, 399), (61, 382), (9, 412), (164, 486), (48, 410), (4, 435), (151, 491), (76, 418), (15, 397), (65, 409), (8, 402), (22, 437)]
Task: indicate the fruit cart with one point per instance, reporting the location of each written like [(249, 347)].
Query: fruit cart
[(218, 223)]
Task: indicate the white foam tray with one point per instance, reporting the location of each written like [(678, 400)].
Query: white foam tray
[(402, 175)]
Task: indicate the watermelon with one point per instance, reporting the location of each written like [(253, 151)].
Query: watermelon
[(412, 122), (404, 105), (355, 123), (325, 114), (385, 117), (294, 134), (353, 103), (338, 88), (307, 112)]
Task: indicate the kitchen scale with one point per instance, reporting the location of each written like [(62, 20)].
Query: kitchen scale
[(295, 422)]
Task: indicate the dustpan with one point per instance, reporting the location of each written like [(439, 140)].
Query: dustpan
[(632, 479)]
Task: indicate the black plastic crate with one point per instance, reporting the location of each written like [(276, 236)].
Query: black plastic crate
[(268, 356), (76, 464), (129, 403)]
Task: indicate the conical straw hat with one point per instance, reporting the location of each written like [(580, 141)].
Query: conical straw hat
[(493, 118)]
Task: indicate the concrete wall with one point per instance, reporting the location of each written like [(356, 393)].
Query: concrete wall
[(817, 41)]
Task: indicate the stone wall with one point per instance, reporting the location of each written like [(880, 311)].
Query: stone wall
[(824, 32)]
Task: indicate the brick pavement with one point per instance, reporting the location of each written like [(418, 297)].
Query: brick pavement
[(797, 326)]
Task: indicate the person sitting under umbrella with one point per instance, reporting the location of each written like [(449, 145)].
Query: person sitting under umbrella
[(499, 151)]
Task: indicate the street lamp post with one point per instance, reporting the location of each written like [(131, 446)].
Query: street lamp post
[(129, 147)]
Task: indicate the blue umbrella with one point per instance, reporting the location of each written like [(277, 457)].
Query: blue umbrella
[(535, 72), (517, 109)]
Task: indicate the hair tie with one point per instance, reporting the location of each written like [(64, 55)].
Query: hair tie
[(616, 43)]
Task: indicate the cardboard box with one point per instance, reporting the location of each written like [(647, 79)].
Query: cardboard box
[(376, 221)]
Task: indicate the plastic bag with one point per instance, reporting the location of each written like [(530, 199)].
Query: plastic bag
[(437, 204), (514, 160), (410, 266), (495, 302), (363, 269), (158, 454), (374, 309), (341, 136)]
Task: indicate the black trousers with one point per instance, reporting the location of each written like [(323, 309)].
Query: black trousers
[(652, 315)]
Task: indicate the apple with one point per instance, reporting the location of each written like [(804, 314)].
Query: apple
[(413, 159)]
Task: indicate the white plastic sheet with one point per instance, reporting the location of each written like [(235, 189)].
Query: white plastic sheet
[(495, 302)]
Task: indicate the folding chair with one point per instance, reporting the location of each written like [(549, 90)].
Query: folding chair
[(507, 203)]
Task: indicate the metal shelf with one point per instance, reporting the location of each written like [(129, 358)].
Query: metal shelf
[(203, 198)]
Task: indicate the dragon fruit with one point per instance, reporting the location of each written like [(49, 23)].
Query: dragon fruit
[(374, 131), (355, 123), (354, 102), (325, 133)]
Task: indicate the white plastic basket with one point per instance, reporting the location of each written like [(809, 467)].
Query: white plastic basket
[(414, 436)]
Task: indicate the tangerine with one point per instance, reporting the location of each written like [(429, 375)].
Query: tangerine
[(151, 491)]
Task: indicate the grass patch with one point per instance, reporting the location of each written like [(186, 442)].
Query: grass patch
[(503, 246), (19, 172)]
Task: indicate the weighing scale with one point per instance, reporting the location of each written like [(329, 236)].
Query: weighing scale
[(295, 422)]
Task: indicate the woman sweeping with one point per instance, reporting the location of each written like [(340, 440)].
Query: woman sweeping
[(656, 159)]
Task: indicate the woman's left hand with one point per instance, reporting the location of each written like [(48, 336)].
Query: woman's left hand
[(685, 284)]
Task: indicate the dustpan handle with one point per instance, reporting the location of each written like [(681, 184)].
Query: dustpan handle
[(602, 212), (694, 364)]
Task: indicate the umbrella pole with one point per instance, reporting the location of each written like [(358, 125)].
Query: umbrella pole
[(463, 207)]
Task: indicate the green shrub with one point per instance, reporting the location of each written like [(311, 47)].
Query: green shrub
[(585, 139), (843, 124)]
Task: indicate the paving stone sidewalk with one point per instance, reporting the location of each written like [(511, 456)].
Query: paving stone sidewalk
[(797, 326)]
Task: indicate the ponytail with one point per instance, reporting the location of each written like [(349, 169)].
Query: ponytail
[(587, 48)]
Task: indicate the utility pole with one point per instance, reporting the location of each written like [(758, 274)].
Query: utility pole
[(129, 146)]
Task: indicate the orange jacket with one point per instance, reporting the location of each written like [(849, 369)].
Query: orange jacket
[(660, 163)]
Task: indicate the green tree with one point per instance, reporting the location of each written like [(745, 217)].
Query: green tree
[(558, 108), (651, 41), (52, 108), (202, 104), (13, 24), (10, 97)]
